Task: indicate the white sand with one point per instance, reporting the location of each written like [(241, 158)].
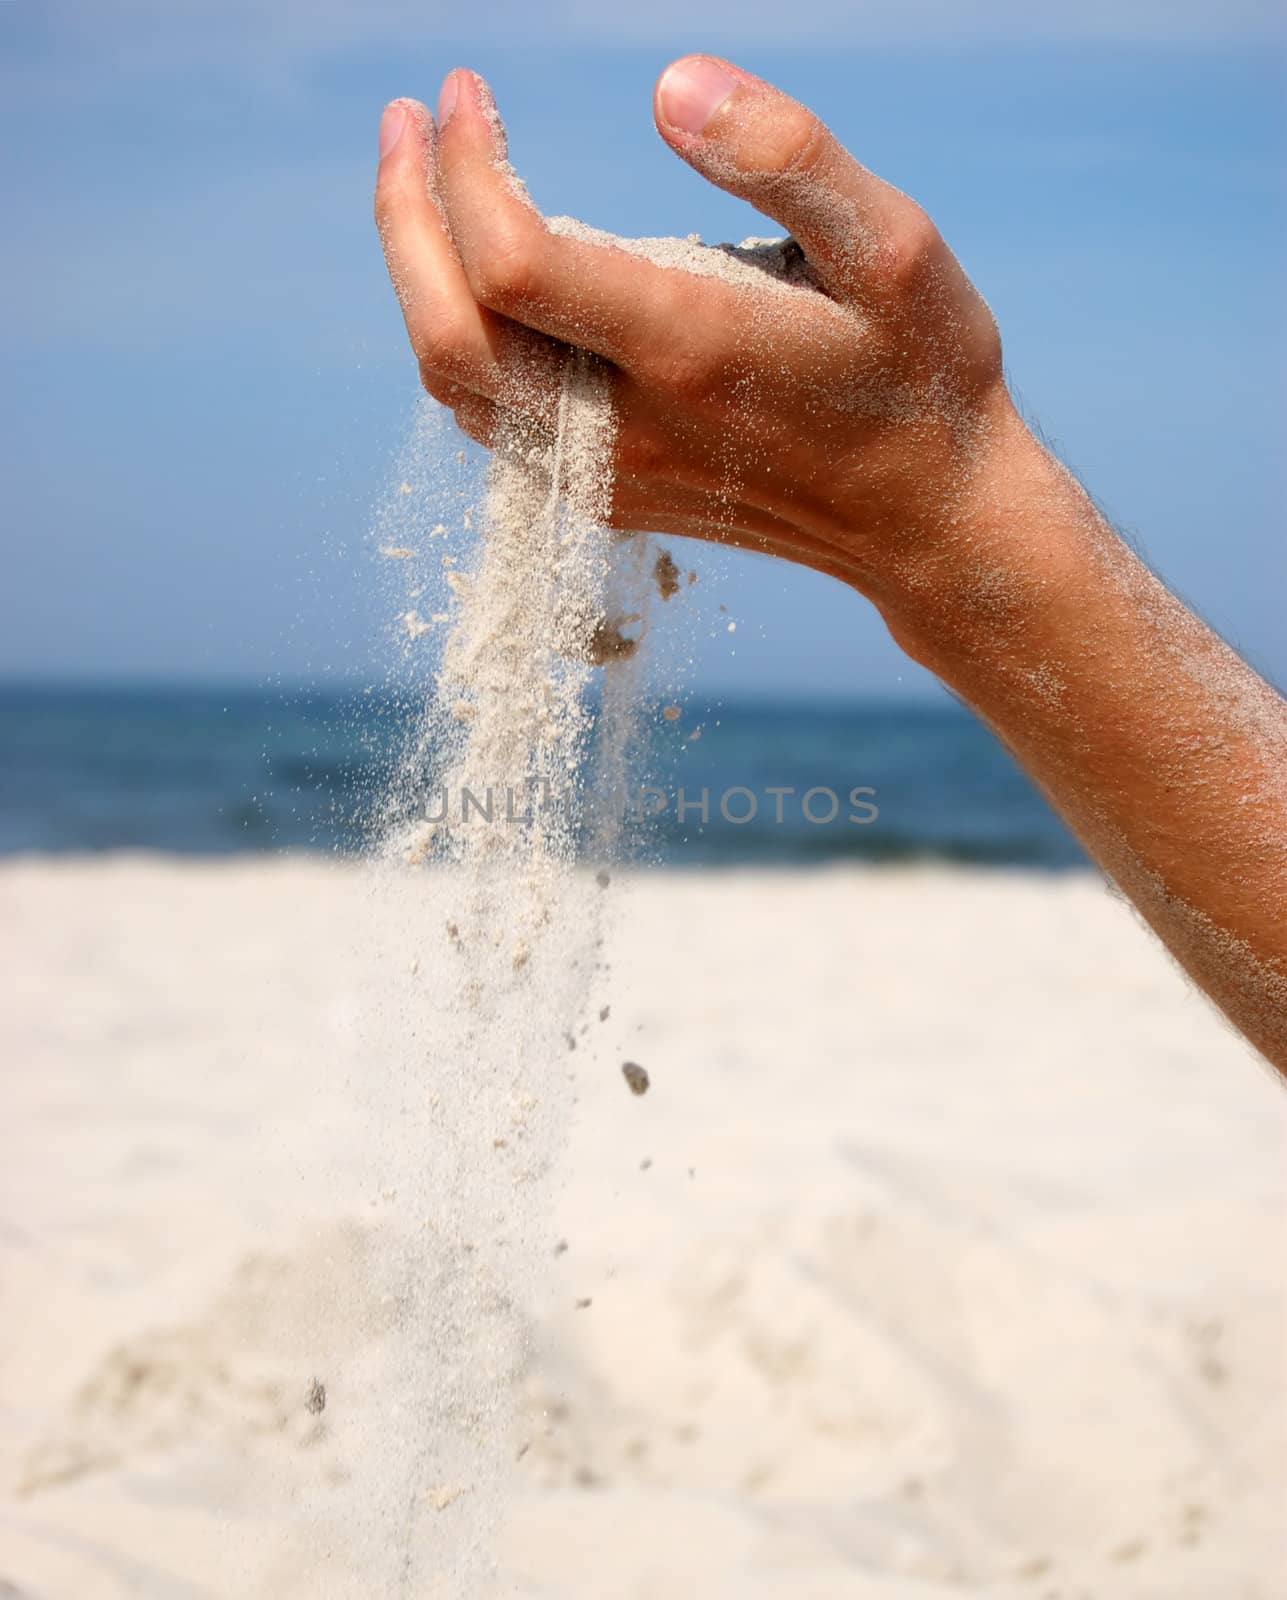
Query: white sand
[(957, 1269)]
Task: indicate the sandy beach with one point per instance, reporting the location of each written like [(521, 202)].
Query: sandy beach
[(943, 1257)]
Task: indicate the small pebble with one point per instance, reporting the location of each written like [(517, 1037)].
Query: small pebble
[(636, 1077)]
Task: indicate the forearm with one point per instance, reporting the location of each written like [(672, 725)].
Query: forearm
[(1164, 751)]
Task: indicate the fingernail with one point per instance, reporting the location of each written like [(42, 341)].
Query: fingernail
[(392, 123), (692, 91), (447, 99)]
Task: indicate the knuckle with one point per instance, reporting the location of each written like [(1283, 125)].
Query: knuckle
[(502, 273), (686, 371), (782, 138), (392, 200), (436, 388), (441, 388), (384, 200), (808, 143), (441, 342), (912, 245)]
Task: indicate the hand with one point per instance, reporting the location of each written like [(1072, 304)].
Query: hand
[(853, 426)]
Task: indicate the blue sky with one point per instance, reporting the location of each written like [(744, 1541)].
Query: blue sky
[(206, 376)]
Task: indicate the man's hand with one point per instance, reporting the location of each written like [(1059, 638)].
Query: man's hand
[(861, 425), (845, 427)]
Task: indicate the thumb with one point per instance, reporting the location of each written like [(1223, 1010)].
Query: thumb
[(758, 143)]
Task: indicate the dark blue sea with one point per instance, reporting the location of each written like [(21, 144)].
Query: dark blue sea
[(217, 772)]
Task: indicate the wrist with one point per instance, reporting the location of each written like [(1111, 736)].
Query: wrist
[(982, 589)]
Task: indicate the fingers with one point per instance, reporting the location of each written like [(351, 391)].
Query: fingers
[(758, 143), (579, 292), (460, 345), (643, 500)]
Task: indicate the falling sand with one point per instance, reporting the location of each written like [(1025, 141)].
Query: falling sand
[(476, 838)]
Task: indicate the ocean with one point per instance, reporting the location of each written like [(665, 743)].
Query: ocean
[(208, 771)]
